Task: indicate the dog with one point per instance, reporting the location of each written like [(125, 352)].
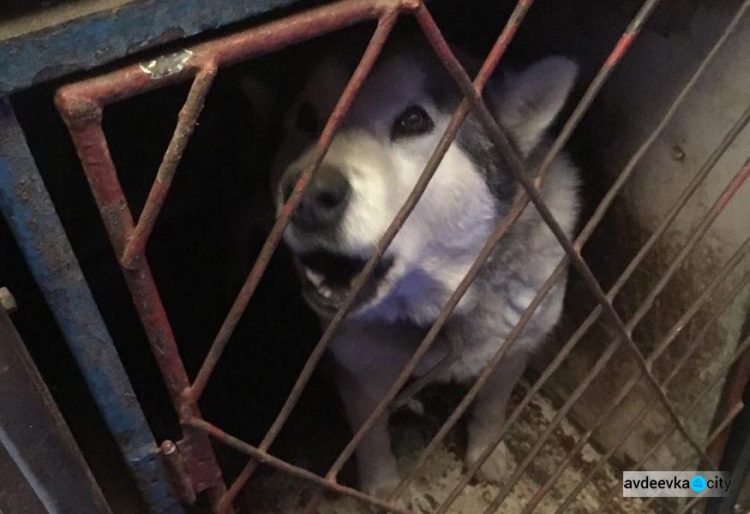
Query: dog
[(374, 161)]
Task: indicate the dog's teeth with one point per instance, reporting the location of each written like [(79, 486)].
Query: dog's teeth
[(315, 278), (325, 292)]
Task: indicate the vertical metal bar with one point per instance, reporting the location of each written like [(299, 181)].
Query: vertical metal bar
[(83, 118), (28, 209), (180, 477), (734, 388)]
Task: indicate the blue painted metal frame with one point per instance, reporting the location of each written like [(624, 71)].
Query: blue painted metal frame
[(89, 38), (28, 210)]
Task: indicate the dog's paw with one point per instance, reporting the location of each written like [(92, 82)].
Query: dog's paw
[(383, 487), (498, 467)]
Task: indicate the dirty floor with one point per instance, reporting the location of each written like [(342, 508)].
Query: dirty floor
[(275, 493)]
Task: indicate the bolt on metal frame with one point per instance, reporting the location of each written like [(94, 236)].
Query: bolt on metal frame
[(81, 105)]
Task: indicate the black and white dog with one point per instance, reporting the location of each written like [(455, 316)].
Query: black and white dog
[(371, 167)]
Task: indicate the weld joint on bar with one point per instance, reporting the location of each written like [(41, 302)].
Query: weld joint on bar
[(400, 5), (77, 109)]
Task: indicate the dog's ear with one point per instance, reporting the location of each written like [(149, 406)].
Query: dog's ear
[(530, 101)]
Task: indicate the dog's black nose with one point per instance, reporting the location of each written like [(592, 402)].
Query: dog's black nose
[(323, 202)]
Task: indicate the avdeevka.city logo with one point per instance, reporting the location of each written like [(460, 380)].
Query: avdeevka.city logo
[(697, 483), (673, 484)]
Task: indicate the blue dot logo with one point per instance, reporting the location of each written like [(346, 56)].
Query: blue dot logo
[(697, 483)]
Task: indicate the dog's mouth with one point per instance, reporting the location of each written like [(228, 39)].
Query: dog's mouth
[(328, 279)]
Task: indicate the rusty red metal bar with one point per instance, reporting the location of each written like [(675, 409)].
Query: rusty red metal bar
[(568, 347), (614, 58), (186, 121), (693, 347), (580, 241), (180, 477), (295, 471), (385, 25), (224, 51), (630, 167), (83, 118), (498, 137), (377, 41), (700, 231), (661, 347), (81, 105), (741, 349)]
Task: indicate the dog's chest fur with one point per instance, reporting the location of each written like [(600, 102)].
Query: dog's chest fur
[(483, 319)]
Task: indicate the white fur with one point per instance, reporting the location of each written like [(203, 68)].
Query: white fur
[(437, 244)]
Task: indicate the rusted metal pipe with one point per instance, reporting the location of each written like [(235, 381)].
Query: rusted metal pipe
[(180, 477), (289, 469), (186, 121), (498, 137), (272, 241), (693, 347), (93, 151), (27, 207)]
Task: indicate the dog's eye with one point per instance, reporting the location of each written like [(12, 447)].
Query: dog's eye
[(412, 122), (306, 119)]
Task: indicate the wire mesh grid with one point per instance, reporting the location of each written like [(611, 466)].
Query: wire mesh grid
[(81, 105)]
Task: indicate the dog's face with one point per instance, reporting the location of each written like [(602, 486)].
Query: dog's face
[(373, 164)]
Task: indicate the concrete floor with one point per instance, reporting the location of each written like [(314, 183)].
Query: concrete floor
[(276, 493)]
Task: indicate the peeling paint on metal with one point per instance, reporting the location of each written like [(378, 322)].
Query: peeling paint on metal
[(91, 40), (167, 64), (28, 210)]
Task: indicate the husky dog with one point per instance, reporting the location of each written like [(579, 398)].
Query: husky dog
[(372, 165)]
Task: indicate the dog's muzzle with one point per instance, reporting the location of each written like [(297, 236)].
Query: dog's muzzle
[(323, 203), (327, 275), (328, 280)]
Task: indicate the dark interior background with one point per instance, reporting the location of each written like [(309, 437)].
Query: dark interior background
[(214, 223)]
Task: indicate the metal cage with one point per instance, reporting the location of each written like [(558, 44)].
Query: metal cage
[(190, 461)]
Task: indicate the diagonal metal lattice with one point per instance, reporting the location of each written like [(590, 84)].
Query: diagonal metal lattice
[(81, 106)]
